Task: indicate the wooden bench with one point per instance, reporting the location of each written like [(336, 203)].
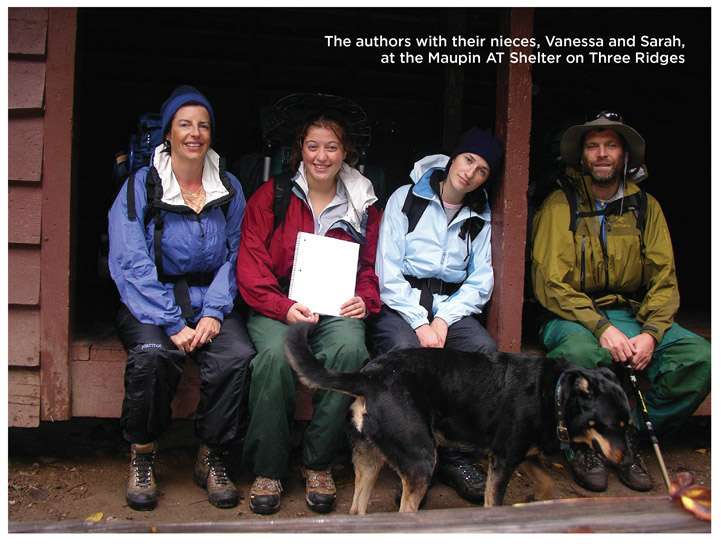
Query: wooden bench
[(97, 366)]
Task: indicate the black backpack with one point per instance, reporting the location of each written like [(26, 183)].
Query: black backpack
[(148, 134), (414, 206), (636, 203)]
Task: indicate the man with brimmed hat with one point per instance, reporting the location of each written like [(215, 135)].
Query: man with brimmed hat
[(603, 268)]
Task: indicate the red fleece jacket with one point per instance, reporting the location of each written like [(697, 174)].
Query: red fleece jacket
[(265, 258)]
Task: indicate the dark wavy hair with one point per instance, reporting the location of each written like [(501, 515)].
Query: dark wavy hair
[(333, 122)]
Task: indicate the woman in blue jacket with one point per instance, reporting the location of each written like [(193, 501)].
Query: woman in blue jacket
[(174, 263), (434, 268)]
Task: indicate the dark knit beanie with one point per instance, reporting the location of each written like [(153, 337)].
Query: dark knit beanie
[(482, 143), (183, 95)]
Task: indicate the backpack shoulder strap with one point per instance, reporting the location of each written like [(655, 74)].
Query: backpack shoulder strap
[(572, 199), (641, 212), (282, 192), (226, 181), (153, 190), (413, 208), (472, 226), (130, 197)]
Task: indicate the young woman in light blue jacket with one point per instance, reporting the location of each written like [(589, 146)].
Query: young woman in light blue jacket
[(434, 268)]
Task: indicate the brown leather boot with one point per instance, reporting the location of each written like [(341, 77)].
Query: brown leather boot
[(636, 475), (210, 473), (141, 492), (588, 469)]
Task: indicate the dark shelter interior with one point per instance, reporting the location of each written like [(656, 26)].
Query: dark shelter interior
[(247, 59)]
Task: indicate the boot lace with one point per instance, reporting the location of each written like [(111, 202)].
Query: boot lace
[(266, 485), (470, 474), (143, 469), (320, 479), (592, 460), (217, 469)]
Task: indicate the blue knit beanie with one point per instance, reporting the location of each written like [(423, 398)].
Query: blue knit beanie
[(481, 143), (182, 95)]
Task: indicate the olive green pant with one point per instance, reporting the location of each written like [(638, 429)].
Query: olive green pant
[(679, 372), (339, 344)]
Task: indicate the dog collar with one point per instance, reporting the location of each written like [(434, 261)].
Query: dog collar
[(561, 430)]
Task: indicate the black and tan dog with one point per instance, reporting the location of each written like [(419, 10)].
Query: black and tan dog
[(409, 402)]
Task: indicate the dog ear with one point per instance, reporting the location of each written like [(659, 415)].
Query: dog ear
[(608, 374), (581, 384)]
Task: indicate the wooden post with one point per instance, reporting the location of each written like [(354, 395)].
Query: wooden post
[(509, 208), (55, 246)]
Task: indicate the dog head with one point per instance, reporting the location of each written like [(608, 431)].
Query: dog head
[(596, 412)]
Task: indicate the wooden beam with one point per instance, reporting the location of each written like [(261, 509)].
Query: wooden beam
[(509, 208), (582, 515), (55, 249)]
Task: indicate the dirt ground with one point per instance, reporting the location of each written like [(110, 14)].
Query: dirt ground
[(76, 471)]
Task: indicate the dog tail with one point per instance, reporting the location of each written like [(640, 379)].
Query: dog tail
[(310, 371)]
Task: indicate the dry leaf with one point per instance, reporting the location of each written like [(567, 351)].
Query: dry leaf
[(95, 517), (693, 497)]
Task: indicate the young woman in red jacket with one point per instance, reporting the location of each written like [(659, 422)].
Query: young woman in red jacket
[(331, 198)]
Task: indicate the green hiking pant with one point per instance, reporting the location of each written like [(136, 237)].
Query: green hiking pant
[(339, 344), (679, 372)]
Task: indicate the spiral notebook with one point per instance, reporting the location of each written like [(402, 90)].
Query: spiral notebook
[(324, 273)]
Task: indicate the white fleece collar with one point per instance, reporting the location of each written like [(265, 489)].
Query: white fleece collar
[(358, 188), (214, 188)]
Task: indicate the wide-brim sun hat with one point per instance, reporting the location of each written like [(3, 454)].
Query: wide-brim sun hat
[(572, 140)]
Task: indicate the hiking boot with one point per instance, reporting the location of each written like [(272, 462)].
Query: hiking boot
[(320, 493), (141, 492), (636, 475), (458, 472), (265, 495), (210, 474), (589, 470)]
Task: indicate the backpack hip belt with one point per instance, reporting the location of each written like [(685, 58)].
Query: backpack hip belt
[(429, 287), (181, 290)]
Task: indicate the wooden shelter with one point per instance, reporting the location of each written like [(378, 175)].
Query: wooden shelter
[(55, 75)]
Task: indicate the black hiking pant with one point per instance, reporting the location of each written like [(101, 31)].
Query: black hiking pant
[(152, 374), (388, 331)]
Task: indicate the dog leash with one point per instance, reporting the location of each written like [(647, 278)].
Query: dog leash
[(561, 430)]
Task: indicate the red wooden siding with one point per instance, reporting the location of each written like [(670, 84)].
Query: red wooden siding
[(27, 31), (24, 278), (25, 148), (24, 214), (57, 242), (41, 52), (29, 80)]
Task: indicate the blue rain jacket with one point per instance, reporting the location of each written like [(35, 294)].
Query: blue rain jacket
[(206, 242), (433, 250)]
